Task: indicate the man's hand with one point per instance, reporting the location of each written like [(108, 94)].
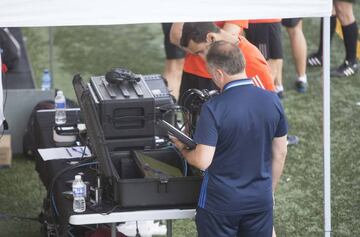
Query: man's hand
[(178, 144), (201, 157)]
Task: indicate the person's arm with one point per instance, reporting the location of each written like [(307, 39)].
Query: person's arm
[(205, 136), (200, 157), (175, 33), (279, 150), (232, 28)]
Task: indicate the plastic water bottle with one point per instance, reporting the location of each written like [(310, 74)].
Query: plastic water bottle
[(60, 106), (79, 193), (46, 81)]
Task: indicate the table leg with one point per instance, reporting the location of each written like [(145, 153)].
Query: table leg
[(169, 228), (113, 229)]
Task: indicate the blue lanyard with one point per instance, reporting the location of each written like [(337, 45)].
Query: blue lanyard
[(241, 82)]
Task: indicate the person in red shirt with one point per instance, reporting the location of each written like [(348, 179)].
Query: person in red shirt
[(197, 37), (196, 65), (195, 74), (174, 62)]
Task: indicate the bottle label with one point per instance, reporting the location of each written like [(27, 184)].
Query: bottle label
[(79, 191), (60, 105)]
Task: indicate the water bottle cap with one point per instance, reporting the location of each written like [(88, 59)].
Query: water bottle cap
[(46, 70), (77, 177), (59, 92)]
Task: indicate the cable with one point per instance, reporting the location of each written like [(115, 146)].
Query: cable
[(185, 164), (137, 230), (193, 99), (106, 213), (174, 108), (188, 101), (70, 234), (190, 92), (53, 204), (50, 192), (185, 167)]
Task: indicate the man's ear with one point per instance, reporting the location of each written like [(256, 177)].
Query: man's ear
[(219, 74), (210, 37)]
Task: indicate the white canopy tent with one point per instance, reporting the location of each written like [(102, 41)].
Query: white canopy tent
[(31, 13), (110, 12)]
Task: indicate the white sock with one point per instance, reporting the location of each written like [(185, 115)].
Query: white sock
[(303, 78), (279, 88)]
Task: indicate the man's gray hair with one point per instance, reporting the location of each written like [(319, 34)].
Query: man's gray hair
[(225, 56)]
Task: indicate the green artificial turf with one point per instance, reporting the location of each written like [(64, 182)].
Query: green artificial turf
[(299, 198), (21, 194)]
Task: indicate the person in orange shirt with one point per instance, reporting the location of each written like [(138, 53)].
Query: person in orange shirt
[(266, 35), (195, 73), (174, 62)]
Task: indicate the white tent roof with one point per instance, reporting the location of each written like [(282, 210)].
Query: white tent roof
[(108, 12)]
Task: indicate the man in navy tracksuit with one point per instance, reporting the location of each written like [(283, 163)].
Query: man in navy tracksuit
[(241, 146)]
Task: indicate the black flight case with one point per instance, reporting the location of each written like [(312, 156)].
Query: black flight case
[(121, 123)]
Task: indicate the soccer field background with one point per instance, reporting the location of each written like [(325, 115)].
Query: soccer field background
[(299, 198)]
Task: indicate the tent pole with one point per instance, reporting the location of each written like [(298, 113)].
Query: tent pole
[(51, 56), (326, 126)]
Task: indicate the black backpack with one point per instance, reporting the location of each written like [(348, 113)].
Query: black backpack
[(30, 142)]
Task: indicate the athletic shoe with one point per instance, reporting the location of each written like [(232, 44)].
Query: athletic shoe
[(346, 69), (301, 86), (280, 94), (314, 60), (292, 140)]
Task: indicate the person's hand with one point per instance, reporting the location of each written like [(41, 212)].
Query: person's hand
[(178, 144)]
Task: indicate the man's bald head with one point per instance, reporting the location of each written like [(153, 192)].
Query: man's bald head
[(226, 57)]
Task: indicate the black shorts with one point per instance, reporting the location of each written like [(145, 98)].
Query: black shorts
[(290, 22), (171, 50), (247, 225), (189, 81), (267, 38)]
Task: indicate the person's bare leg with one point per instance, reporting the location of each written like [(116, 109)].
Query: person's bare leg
[(299, 48), (276, 73), (273, 234), (172, 73), (344, 12)]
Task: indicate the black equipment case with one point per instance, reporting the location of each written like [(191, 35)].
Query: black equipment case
[(121, 120), (128, 111)]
